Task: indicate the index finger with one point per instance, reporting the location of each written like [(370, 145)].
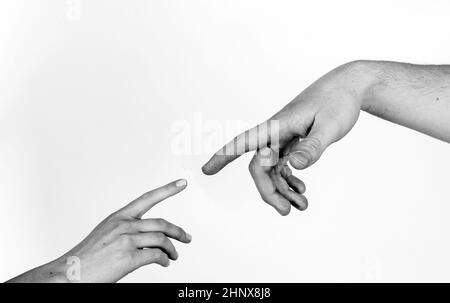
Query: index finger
[(138, 207), (262, 135)]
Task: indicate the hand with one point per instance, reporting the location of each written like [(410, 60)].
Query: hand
[(119, 245), (320, 115)]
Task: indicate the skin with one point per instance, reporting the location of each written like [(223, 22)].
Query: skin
[(120, 244), (415, 96)]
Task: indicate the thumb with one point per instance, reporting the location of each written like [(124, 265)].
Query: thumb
[(308, 150)]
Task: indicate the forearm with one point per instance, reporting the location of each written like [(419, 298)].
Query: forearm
[(52, 272), (415, 96)]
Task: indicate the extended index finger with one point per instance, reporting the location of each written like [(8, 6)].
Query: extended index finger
[(138, 207), (262, 135)]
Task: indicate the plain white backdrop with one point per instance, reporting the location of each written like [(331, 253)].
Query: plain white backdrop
[(89, 92)]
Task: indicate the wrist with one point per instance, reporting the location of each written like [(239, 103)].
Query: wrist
[(361, 79), (55, 271)]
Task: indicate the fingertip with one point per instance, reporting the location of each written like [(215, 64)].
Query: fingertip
[(284, 212), (181, 183), (303, 205), (188, 237), (212, 166), (283, 208), (175, 256), (207, 170), (296, 184), (298, 160), (217, 162)]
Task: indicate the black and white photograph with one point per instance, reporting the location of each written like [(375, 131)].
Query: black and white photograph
[(204, 142)]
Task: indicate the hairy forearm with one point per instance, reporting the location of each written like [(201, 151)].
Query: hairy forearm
[(415, 96)]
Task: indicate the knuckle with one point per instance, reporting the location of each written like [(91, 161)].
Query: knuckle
[(146, 195), (125, 240), (158, 253), (114, 217), (171, 187), (165, 241), (162, 223), (113, 225), (265, 199), (164, 257), (179, 232), (250, 166), (159, 236), (125, 224), (253, 164)]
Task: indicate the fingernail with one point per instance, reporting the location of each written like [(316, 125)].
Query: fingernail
[(181, 183), (267, 157), (189, 237), (298, 159)]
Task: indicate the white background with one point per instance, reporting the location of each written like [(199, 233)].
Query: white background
[(87, 102)]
